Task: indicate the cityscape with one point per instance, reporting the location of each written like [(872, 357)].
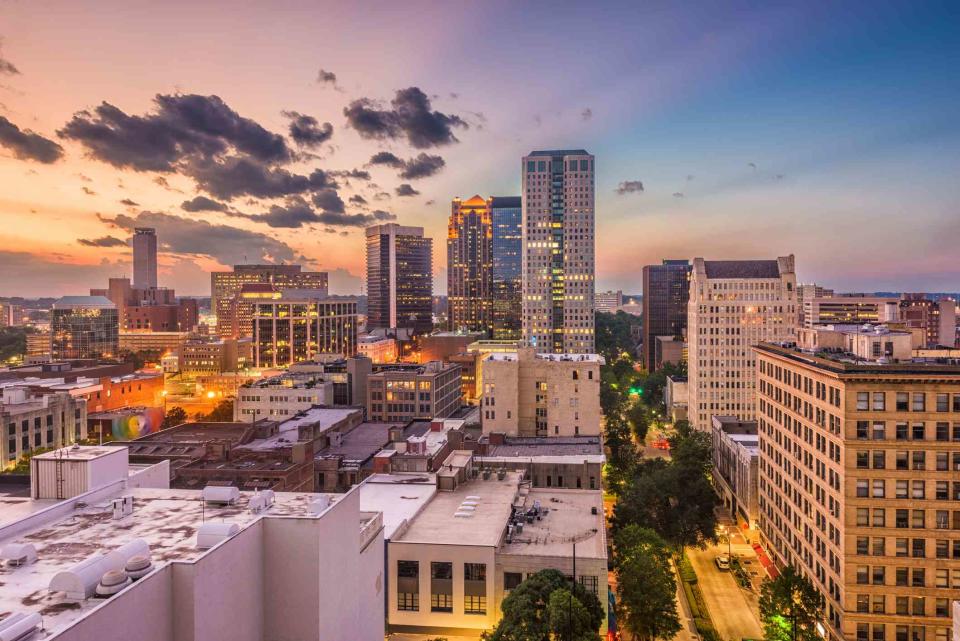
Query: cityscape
[(684, 362)]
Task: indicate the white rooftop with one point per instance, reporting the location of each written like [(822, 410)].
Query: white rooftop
[(575, 358), (400, 497), (326, 417)]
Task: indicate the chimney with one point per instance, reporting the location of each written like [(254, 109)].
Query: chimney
[(436, 426)]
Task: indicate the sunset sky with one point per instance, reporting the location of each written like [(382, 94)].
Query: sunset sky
[(827, 130)]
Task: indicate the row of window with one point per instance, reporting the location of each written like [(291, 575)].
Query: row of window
[(915, 519), (877, 546), (877, 431)]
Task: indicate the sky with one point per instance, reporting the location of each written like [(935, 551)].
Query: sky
[(275, 132)]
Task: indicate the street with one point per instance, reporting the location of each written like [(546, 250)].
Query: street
[(734, 614)]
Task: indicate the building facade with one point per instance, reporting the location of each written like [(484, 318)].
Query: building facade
[(529, 394), (469, 265), (666, 294), (937, 319), (11, 315), (849, 310), (205, 357), (736, 458), (84, 327), (734, 305), (608, 302), (558, 251), (144, 257), (403, 393), (38, 420), (399, 278), (295, 327), (860, 487), (506, 214)]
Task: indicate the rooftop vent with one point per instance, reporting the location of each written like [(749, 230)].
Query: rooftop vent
[(318, 505), (112, 582), (18, 626), (17, 554), (210, 534), (462, 515), (138, 566), (261, 501), (80, 581), (122, 506), (221, 494)]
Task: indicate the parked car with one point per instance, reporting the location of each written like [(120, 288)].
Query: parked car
[(723, 562)]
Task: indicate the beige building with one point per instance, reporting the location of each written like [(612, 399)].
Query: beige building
[(873, 341), (33, 420), (530, 394), (850, 309), (379, 349), (205, 357), (734, 304), (405, 392), (859, 486), (149, 341), (279, 397)]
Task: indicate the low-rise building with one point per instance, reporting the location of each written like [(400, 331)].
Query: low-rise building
[(530, 394), (609, 301), (38, 419), (379, 349), (404, 392), (348, 458), (675, 397), (151, 341), (279, 397), (574, 462), (206, 357), (440, 346), (735, 459), (847, 310), (669, 349), (868, 341)]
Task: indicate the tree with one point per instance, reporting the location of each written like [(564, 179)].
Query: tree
[(568, 618), (646, 588), (175, 416), (691, 448), (222, 413), (613, 334), (13, 341), (530, 614), (790, 607), (639, 420)]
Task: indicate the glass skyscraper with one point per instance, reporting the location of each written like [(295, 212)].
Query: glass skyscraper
[(506, 216), (666, 291), (84, 327), (399, 278), (469, 284)]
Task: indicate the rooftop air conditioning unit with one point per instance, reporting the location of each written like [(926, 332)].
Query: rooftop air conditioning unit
[(18, 626), (210, 534), (221, 494), (319, 504), (17, 554)]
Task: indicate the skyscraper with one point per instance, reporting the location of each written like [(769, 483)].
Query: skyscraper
[(399, 278), (144, 257), (469, 268), (505, 216), (666, 291), (734, 305), (84, 327), (299, 325), (558, 251)]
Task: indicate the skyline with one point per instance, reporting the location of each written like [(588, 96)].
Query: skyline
[(821, 131)]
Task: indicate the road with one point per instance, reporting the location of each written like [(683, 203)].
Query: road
[(734, 614)]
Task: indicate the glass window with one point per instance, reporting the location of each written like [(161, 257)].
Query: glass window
[(879, 402), (863, 401), (919, 403), (473, 604), (512, 580), (903, 401), (862, 488), (879, 431), (943, 402), (919, 432)]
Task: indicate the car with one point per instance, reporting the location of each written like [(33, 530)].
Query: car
[(723, 562)]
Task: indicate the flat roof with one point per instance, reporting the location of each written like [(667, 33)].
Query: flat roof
[(575, 358), (167, 520), (849, 365), (81, 453), (400, 497), (325, 417), (569, 520), (524, 447), (360, 443)]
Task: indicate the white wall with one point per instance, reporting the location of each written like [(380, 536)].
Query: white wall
[(155, 476)]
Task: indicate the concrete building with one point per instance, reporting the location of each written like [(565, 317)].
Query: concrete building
[(608, 302), (440, 346), (666, 294), (532, 395), (39, 344), (348, 459), (807, 292), (574, 462), (871, 341), (84, 327), (279, 397), (506, 213), (399, 278), (131, 559), (299, 325), (736, 457), (470, 265), (224, 287), (676, 398), (402, 393), (846, 310), (11, 315), (668, 349), (150, 309), (422, 446), (379, 349), (201, 357), (149, 341), (734, 305), (558, 251), (348, 375), (144, 257), (937, 319), (38, 419), (859, 486)]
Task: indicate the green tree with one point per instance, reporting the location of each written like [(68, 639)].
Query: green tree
[(639, 420), (222, 413), (568, 618), (13, 341), (790, 608), (646, 588), (613, 335), (529, 613), (175, 416), (691, 448)]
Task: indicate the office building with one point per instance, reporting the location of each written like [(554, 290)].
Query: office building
[(156, 309), (440, 346), (734, 305), (558, 251), (843, 310), (399, 278), (11, 315), (609, 301), (34, 419), (574, 462), (299, 325), (84, 327), (666, 294), (144, 258), (280, 397), (405, 392), (469, 265), (668, 349), (530, 394), (203, 357), (379, 349), (224, 287), (506, 214), (859, 487), (151, 341), (807, 292), (736, 458), (937, 319)]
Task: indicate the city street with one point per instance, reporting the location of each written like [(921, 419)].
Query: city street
[(734, 614)]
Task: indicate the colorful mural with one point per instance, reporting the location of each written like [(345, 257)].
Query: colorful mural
[(137, 423)]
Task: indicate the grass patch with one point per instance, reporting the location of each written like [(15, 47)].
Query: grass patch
[(698, 607)]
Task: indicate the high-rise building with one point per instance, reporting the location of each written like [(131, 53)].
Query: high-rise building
[(937, 319), (84, 327), (399, 278), (11, 315), (858, 486), (608, 302), (469, 265), (506, 215), (224, 287), (808, 291), (666, 292), (298, 325), (558, 251), (144, 257), (734, 305)]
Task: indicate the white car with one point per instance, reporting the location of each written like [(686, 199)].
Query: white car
[(723, 562)]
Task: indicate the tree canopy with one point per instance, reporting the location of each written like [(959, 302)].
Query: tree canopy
[(646, 588), (613, 335), (790, 607)]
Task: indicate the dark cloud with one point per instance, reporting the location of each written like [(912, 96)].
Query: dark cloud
[(678, 194), (329, 201), (380, 214), (359, 174), (228, 245), (181, 126), (386, 158), (27, 145), (357, 199), (752, 165), (239, 176), (422, 166), (326, 77), (586, 114), (409, 116), (381, 195), (629, 187), (297, 212), (307, 131), (294, 214), (88, 191), (104, 241), (6, 67), (129, 203), (404, 189), (202, 203)]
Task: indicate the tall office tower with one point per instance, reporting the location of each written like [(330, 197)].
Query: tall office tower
[(858, 481), (469, 266), (144, 257), (666, 292), (399, 278), (299, 325), (506, 215), (225, 286), (558, 256), (84, 327), (734, 305)]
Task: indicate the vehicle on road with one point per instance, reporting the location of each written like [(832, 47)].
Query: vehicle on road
[(723, 562)]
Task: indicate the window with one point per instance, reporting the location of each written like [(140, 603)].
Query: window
[(441, 586), (917, 520), (903, 401), (474, 604), (879, 431), (879, 402), (879, 545), (863, 574), (919, 432), (902, 431), (879, 517), (901, 547), (878, 488), (863, 430), (863, 603), (943, 431), (862, 488), (475, 571), (590, 583), (919, 578), (863, 545), (863, 517), (879, 574), (863, 401), (879, 459), (919, 548), (917, 490), (512, 580), (919, 403), (902, 489), (943, 402), (408, 585)]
